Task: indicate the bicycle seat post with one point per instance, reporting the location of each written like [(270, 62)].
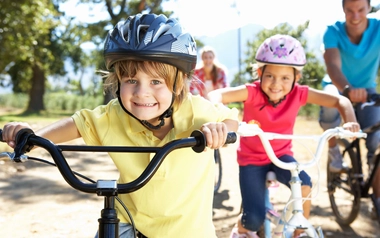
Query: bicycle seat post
[(108, 223)]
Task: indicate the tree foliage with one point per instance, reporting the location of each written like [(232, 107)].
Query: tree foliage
[(36, 40)]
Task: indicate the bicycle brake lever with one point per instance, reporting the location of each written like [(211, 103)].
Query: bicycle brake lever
[(12, 157)]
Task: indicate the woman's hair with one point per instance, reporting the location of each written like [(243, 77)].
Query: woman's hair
[(154, 69)]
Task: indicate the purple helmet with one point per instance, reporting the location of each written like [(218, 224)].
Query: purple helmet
[(281, 50)]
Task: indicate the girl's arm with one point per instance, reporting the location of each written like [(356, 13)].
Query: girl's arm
[(339, 102), (228, 95)]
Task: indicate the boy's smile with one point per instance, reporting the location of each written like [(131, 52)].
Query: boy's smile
[(144, 96)]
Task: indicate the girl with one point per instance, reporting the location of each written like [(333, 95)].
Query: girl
[(149, 59), (274, 102)]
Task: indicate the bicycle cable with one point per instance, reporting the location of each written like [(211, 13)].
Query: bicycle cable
[(92, 181)]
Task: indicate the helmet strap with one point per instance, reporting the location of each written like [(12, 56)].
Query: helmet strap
[(168, 112)]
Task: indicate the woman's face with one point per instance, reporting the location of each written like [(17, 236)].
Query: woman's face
[(208, 59), (144, 96), (277, 81), (356, 15)]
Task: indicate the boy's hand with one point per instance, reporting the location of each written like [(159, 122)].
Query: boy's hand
[(10, 130), (215, 133)]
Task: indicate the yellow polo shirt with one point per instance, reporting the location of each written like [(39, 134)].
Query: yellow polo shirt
[(177, 201)]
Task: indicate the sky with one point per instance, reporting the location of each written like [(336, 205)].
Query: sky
[(212, 17)]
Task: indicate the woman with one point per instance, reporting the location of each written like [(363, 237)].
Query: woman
[(211, 75)]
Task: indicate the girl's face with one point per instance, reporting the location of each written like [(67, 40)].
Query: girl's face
[(146, 97), (277, 81)]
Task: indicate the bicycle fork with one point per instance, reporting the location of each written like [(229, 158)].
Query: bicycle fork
[(293, 218)]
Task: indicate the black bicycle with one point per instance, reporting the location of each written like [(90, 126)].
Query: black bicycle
[(218, 170), (346, 189), (109, 189)]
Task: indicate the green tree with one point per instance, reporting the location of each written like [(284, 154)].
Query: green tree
[(36, 39), (26, 46)]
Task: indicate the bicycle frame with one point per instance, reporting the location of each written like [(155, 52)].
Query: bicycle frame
[(108, 223), (365, 185), (292, 219)]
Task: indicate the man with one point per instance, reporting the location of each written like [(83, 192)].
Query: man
[(352, 57)]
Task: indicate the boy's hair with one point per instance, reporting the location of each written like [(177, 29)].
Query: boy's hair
[(155, 69)]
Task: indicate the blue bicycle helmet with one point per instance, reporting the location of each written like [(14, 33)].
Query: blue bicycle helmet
[(151, 37)]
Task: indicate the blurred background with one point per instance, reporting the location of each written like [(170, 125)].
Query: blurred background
[(51, 49)]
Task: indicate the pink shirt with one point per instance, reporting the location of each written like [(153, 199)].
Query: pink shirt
[(278, 119)]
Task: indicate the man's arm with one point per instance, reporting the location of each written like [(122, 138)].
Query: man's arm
[(334, 68)]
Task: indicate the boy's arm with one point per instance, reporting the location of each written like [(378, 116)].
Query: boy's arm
[(60, 131), (232, 125)]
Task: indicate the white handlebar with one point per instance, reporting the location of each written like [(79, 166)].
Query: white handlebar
[(246, 130)]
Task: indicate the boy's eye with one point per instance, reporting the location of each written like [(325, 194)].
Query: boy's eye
[(131, 81), (155, 82)]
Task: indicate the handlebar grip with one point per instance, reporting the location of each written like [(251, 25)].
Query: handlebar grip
[(1, 135), (231, 138), (374, 98)]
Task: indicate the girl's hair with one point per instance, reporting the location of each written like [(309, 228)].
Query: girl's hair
[(153, 69), (215, 67)]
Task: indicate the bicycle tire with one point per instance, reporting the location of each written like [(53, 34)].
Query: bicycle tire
[(218, 170), (344, 188)]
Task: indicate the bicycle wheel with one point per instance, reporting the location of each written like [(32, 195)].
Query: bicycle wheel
[(218, 170), (344, 188)]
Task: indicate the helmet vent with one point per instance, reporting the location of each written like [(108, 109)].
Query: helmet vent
[(141, 32)]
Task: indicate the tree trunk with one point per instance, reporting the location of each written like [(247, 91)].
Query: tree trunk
[(36, 94)]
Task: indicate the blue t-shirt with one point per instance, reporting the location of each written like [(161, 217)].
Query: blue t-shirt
[(359, 62)]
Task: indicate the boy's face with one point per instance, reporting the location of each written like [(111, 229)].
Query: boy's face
[(144, 96), (277, 81)]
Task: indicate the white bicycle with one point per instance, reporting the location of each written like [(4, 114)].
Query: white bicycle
[(291, 217)]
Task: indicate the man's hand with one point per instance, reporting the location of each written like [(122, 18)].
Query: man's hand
[(357, 95)]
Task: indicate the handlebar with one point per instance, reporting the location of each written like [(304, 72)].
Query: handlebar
[(26, 139), (246, 130), (372, 100)]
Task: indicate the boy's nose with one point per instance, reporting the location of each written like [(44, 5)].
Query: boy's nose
[(142, 90)]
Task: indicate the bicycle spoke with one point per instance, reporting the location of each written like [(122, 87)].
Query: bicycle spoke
[(344, 189)]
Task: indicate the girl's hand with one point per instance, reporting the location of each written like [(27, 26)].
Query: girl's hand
[(10, 130), (351, 126), (215, 133)]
